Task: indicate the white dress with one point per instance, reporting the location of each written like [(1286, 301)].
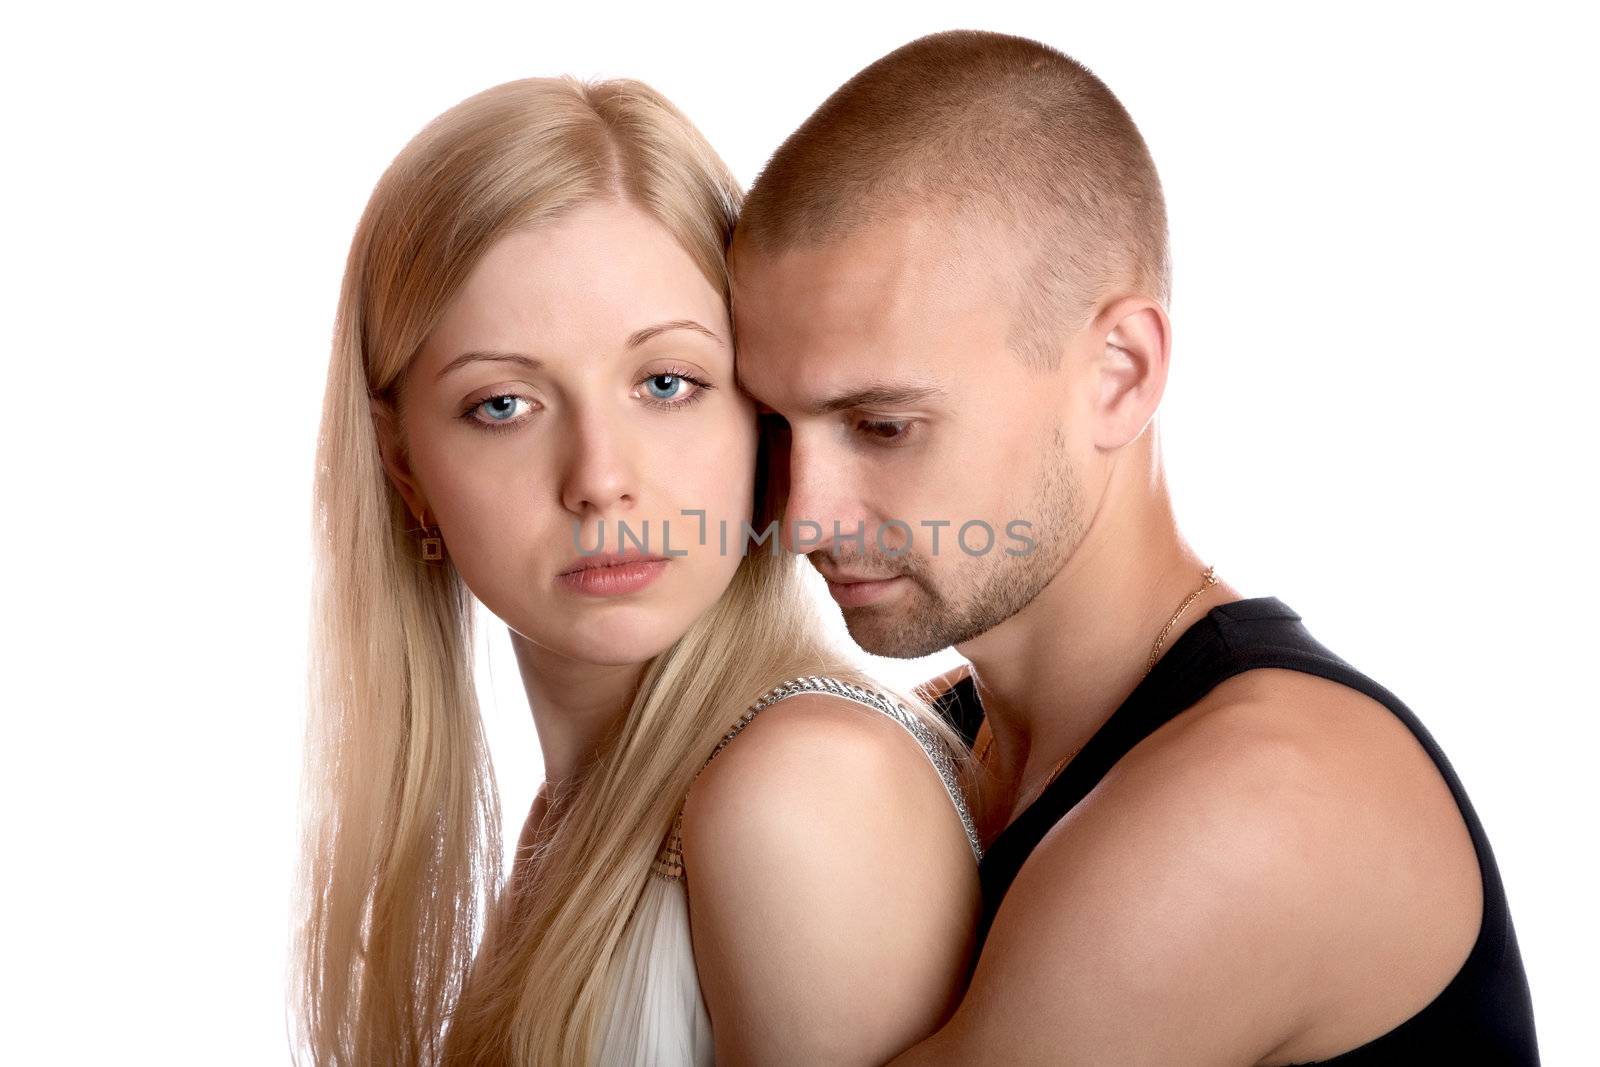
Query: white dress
[(659, 1016)]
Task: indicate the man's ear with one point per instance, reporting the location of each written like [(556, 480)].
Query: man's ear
[(391, 446), (1131, 369)]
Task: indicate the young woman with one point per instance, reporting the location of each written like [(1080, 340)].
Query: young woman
[(533, 347)]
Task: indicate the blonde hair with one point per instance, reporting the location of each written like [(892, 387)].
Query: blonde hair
[(993, 129), (400, 869)]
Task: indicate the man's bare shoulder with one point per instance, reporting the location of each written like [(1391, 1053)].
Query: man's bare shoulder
[(1389, 896), (1277, 874)]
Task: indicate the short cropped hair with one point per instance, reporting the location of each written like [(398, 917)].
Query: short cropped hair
[(992, 129)]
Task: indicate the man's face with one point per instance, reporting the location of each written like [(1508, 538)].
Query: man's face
[(919, 451)]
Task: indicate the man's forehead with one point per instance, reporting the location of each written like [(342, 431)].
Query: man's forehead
[(835, 293), (868, 311), (809, 377), (797, 377), (920, 250)]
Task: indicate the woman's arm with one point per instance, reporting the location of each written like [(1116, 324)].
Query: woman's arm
[(833, 895)]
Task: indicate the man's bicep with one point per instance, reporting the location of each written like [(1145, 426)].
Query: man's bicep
[(1159, 932)]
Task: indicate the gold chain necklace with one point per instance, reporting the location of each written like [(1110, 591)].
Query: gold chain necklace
[(1155, 654)]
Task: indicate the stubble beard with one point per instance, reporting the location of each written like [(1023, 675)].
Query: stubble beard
[(993, 587)]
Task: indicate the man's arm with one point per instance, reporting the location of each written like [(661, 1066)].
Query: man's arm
[(832, 891), (1245, 886)]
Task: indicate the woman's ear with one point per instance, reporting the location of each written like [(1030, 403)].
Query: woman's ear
[(391, 447), (1131, 369)]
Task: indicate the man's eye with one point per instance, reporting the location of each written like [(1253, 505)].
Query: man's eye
[(882, 430)]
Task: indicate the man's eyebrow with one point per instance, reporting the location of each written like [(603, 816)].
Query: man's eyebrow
[(886, 394), (639, 337), (488, 357)]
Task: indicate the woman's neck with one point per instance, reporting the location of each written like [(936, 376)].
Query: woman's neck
[(574, 705)]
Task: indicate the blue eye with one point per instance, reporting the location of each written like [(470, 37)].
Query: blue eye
[(501, 408), (665, 390), (666, 383)]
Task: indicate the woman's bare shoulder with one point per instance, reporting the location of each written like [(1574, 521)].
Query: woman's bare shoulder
[(812, 748), (825, 869)]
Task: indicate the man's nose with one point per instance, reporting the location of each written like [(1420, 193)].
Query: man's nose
[(820, 512)]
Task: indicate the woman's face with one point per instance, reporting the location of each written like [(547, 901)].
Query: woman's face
[(582, 377)]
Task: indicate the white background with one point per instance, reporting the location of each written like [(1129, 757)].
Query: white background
[(1381, 410)]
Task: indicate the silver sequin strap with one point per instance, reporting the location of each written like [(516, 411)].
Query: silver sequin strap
[(926, 738)]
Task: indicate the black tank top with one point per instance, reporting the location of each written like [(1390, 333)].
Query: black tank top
[(1485, 1014)]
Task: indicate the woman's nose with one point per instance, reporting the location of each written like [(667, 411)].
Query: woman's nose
[(602, 468)]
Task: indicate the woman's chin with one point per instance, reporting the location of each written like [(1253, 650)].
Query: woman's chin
[(619, 655), (630, 627), (626, 637)]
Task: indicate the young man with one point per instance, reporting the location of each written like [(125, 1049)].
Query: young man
[(1209, 839)]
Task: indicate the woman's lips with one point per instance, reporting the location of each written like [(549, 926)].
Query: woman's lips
[(615, 580)]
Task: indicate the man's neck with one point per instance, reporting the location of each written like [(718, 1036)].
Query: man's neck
[(1052, 674)]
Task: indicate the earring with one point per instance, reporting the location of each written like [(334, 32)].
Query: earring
[(432, 545)]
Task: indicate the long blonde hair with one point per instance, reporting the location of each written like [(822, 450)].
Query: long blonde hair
[(409, 950)]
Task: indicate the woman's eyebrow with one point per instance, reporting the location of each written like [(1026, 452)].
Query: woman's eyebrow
[(639, 337), (475, 357)]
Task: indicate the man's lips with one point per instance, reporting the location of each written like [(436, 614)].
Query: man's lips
[(836, 574), (854, 591), (852, 587), (856, 579)]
